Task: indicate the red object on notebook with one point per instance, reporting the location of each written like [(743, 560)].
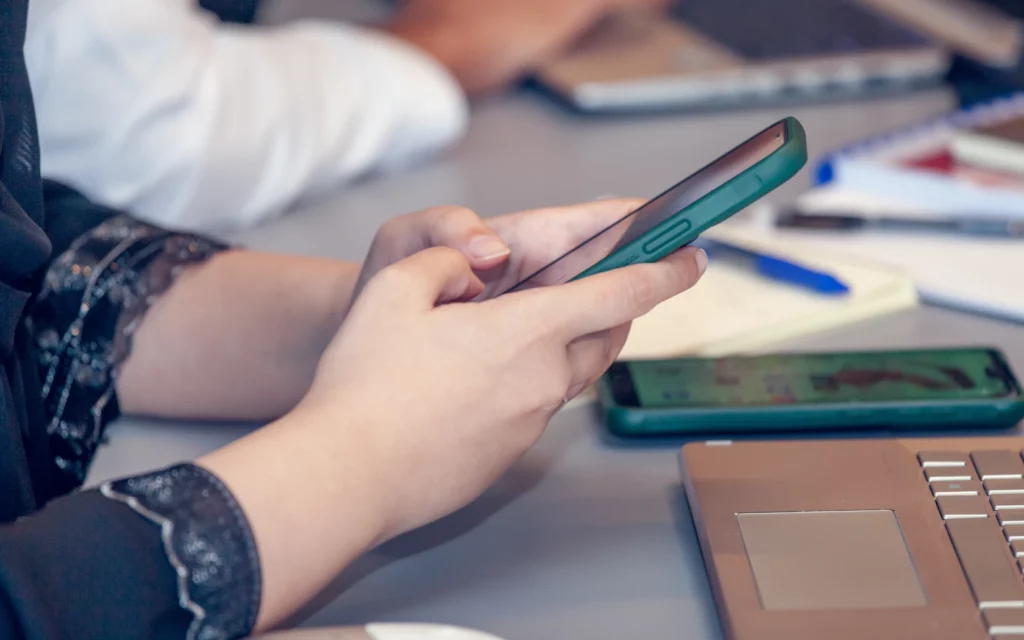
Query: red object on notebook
[(943, 162)]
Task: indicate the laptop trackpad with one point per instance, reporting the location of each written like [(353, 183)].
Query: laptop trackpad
[(830, 560)]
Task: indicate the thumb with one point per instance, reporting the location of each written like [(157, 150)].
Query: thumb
[(462, 229), (606, 300), (426, 279)]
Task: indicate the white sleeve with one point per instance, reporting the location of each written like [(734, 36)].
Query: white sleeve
[(152, 106)]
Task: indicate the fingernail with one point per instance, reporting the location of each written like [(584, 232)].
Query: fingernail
[(575, 391), (488, 247), (423, 632), (702, 261)]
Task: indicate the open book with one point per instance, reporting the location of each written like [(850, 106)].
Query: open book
[(733, 309)]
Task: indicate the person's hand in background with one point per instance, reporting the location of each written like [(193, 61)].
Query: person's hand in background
[(489, 43)]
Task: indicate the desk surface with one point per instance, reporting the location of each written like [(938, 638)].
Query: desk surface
[(585, 538)]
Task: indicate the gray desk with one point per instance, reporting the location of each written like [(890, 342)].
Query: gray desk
[(585, 538)]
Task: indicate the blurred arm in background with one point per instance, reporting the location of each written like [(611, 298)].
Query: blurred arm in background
[(158, 108)]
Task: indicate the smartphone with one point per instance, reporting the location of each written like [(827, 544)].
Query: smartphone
[(678, 216), (969, 387)]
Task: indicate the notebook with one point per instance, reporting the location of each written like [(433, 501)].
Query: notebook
[(733, 310), (973, 274), (915, 166)]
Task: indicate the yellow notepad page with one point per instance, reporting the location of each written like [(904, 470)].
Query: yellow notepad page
[(733, 309)]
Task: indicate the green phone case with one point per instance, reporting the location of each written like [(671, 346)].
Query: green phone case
[(717, 206), (634, 422)]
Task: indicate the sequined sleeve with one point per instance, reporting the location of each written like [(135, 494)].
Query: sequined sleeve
[(94, 297)]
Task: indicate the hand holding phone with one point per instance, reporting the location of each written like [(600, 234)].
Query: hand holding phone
[(678, 216)]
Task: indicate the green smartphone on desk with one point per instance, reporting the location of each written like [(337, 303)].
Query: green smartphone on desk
[(966, 388), (678, 216)]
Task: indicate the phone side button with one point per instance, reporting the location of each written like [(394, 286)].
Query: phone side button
[(668, 237), (747, 186)]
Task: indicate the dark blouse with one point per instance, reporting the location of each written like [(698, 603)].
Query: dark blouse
[(164, 555)]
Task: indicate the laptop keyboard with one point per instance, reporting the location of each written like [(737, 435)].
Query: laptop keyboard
[(981, 499), (772, 29)]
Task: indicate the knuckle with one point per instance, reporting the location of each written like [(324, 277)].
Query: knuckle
[(391, 231), (396, 276), (446, 217), (641, 291), (445, 256)]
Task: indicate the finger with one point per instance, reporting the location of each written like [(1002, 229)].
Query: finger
[(425, 279), (587, 356), (609, 299), (580, 220), (454, 227), (463, 230), (590, 356)]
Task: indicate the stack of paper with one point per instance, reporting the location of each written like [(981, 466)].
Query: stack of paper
[(733, 310)]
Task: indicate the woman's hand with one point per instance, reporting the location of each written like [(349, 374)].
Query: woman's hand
[(501, 250), (419, 403)]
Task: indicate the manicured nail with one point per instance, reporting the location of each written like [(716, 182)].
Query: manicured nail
[(702, 261), (423, 632), (488, 247)]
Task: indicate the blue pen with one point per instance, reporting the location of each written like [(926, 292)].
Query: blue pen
[(776, 268)]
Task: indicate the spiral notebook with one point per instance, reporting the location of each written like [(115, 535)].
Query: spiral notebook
[(914, 166)]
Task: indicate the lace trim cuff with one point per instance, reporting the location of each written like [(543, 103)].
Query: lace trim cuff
[(208, 542), (93, 299)]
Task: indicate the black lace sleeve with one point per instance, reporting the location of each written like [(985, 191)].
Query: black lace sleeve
[(207, 540), (94, 296), (93, 299)]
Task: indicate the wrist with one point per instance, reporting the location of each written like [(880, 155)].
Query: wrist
[(311, 501)]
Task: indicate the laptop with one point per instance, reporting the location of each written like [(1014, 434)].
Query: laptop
[(719, 52), (884, 539)]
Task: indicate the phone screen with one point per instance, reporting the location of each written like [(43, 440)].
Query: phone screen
[(670, 203), (961, 374)]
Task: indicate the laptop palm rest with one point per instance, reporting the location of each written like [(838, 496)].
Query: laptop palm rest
[(820, 560)]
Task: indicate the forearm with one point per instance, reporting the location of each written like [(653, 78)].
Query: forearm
[(272, 114), (236, 338)]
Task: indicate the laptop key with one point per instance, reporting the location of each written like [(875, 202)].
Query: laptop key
[(942, 459), (1014, 532), (1000, 465), (1006, 485), (1005, 621), (1007, 502), (948, 474), (1017, 547), (982, 550), (1010, 517), (952, 507), (968, 488)]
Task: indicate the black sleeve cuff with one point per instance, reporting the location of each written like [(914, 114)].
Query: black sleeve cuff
[(208, 543)]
